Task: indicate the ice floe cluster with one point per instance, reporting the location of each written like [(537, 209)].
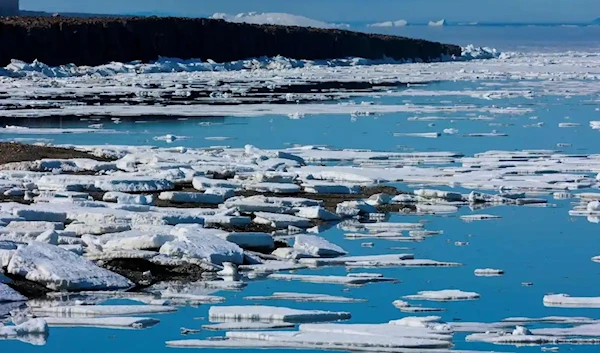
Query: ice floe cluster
[(220, 217)]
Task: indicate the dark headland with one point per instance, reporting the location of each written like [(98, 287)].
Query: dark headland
[(96, 41)]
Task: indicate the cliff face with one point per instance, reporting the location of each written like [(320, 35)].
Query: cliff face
[(96, 41)]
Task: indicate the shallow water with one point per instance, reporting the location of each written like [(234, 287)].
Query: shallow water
[(541, 245)]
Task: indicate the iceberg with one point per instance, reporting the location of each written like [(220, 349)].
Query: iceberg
[(439, 23), (305, 297), (272, 313), (443, 295), (102, 322), (317, 246), (398, 23), (68, 311)]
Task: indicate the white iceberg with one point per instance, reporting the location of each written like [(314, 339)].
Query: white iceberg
[(317, 246), (305, 297), (272, 313), (566, 301), (444, 295), (100, 310)]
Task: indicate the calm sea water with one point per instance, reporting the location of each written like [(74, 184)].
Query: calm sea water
[(539, 245)]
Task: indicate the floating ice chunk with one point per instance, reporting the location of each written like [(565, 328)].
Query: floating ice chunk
[(406, 307), (250, 240), (304, 297), (438, 194), (478, 217), (59, 269), (30, 327), (354, 208), (291, 253), (401, 263), (101, 310), (203, 245), (521, 338), (385, 226), (379, 199), (272, 313), (550, 320), (191, 197), (324, 187), (590, 330), (450, 131), (169, 138), (486, 134), (348, 260), (377, 330), (317, 246), (103, 322), (316, 212), (443, 295), (567, 125), (566, 301), (436, 209), (239, 326), (488, 272), (345, 341), (48, 237), (281, 220), (418, 134), (271, 266), (8, 294), (348, 280), (593, 206), (129, 199), (96, 229)]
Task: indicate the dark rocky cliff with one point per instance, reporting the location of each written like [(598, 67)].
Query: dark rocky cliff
[(95, 41)]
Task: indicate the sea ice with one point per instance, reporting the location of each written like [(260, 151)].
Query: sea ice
[(271, 313), (103, 322), (239, 326), (8, 294), (348, 280), (101, 310), (566, 301), (488, 272), (203, 245), (317, 246), (443, 295), (280, 220), (304, 297)]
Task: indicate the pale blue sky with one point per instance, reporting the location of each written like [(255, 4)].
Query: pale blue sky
[(348, 10)]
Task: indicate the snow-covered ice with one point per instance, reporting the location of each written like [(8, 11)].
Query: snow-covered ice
[(271, 313)]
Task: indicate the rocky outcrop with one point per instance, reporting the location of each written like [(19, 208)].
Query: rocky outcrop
[(95, 41)]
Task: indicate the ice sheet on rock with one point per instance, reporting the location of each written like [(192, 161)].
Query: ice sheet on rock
[(316, 212), (444, 295), (101, 310), (102, 322), (133, 184), (276, 188), (280, 220), (324, 187), (566, 301), (8, 294), (191, 197), (131, 240), (250, 240), (250, 326), (348, 280), (305, 297), (272, 313), (59, 269), (80, 229), (202, 183), (317, 246), (121, 254), (125, 198), (203, 245)]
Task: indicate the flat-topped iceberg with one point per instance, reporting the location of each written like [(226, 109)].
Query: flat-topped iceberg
[(272, 313), (306, 297), (566, 301), (103, 322), (317, 246), (101, 310), (443, 295)]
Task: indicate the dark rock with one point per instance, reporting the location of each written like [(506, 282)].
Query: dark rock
[(95, 41)]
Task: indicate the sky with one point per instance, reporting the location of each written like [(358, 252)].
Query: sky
[(530, 11)]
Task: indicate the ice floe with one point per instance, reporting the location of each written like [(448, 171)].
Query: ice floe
[(566, 301), (271, 313), (443, 295), (305, 297)]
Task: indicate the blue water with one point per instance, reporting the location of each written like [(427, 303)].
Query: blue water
[(539, 245)]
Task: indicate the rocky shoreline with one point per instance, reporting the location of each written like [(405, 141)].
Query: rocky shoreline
[(96, 41)]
